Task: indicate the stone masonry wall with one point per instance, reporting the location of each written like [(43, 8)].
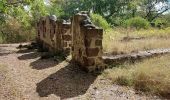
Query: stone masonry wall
[(84, 38), (54, 35), (87, 43)]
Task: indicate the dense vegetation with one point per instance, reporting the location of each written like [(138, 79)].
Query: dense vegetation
[(18, 17)]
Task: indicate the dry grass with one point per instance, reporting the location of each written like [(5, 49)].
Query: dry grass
[(151, 76), (146, 39)]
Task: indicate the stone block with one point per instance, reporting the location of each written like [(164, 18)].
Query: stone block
[(53, 33), (89, 61), (98, 42), (65, 44), (67, 37), (94, 33), (88, 42), (92, 52)]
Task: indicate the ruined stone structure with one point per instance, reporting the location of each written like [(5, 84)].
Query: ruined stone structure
[(84, 38), (87, 43), (53, 34)]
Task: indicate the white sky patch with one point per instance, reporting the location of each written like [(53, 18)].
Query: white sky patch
[(46, 2), (26, 8), (162, 6)]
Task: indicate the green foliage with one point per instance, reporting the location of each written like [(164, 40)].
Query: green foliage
[(137, 22), (27, 12), (153, 9), (38, 9), (116, 21), (167, 18), (17, 19), (161, 23), (13, 31), (99, 21)]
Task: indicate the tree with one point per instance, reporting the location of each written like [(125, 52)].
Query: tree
[(8, 6), (105, 8), (154, 8), (38, 9)]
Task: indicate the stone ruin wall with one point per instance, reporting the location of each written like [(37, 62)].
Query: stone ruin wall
[(54, 35), (87, 43), (81, 35)]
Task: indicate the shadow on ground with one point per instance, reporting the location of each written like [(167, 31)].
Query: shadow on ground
[(38, 64), (24, 51), (27, 56), (68, 82), (43, 64), (4, 52)]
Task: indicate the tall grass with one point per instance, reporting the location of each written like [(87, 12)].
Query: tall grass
[(25, 36), (14, 31), (150, 76), (113, 41)]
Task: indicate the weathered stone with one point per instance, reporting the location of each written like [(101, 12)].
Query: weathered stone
[(70, 45), (67, 37), (98, 42), (81, 37), (90, 26), (134, 57), (66, 25), (80, 52), (65, 44), (88, 61), (87, 21), (92, 52), (86, 49), (67, 50), (54, 32), (94, 33), (88, 42)]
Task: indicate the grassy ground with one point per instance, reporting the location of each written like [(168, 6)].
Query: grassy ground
[(151, 76), (116, 42)]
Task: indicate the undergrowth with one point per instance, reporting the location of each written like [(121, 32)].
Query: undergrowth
[(150, 76)]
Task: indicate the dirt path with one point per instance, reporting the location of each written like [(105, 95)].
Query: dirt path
[(36, 79)]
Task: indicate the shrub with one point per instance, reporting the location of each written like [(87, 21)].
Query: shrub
[(167, 18), (13, 32), (116, 21), (99, 21), (137, 22), (160, 23)]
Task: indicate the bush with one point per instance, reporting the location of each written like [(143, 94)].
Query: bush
[(99, 21), (137, 22), (13, 32), (167, 18), (160, 23), (116, 21)]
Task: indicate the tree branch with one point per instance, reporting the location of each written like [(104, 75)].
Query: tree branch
[(158, 14), (14, 3)]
